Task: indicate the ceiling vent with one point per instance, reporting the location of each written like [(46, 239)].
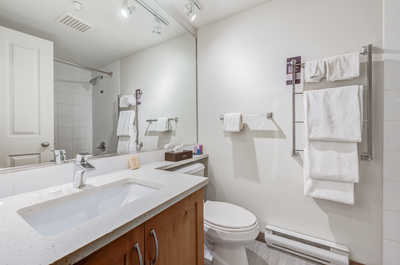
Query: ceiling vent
[(74, 23)]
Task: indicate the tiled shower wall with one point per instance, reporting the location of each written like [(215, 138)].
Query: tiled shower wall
[(391, 167), (73, 110)]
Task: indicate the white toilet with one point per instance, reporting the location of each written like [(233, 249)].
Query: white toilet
[(228, 228)]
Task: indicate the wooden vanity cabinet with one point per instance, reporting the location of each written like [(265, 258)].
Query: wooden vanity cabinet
[(178, 232), (173, 237), (122, 251)]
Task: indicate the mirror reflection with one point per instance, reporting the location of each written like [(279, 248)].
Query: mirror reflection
[(98, 77)]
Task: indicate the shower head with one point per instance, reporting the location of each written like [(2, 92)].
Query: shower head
[(94, 80)]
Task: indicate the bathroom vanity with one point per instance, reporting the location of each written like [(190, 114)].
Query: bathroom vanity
[(175, 236), (144, 216)]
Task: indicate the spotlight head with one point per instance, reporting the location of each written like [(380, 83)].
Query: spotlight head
[(191, 10), (193, 17), (127, 9)]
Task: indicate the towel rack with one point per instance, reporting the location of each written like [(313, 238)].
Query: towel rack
[(170, 119), (123, 108), (365, 51), (269, 116), (138, 94)]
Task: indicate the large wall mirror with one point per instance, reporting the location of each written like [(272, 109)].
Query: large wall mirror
[(101, 77)]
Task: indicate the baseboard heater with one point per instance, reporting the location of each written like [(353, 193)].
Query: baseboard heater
[(314, 249)]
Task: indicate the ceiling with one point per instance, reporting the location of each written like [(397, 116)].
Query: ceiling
[(111, 36), (214, 10)]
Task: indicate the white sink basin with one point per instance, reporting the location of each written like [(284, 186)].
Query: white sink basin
[(56, 216)]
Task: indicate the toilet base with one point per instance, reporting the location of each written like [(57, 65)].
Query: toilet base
[(230, 255)]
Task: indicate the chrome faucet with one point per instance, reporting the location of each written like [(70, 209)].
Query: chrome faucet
[(81, 166)]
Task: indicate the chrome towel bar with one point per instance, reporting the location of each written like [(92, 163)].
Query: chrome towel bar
[(368, 155), (269, 116), (170, 119)]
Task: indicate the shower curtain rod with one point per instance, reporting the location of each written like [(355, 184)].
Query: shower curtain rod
[(63, 61)]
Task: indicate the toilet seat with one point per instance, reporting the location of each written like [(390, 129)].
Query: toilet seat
[(230, 230), (228, 217), (228, 223)]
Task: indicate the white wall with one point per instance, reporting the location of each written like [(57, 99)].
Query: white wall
[(167, 75), (391, 199), (72, 109), (105, 109), (242, 68)]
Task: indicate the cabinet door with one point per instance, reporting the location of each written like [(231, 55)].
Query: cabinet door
[(122, 251), (177, 234)]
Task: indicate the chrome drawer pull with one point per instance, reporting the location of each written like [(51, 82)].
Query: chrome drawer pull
[(153, 233), (137, 247)]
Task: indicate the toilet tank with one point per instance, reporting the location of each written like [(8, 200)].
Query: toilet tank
[(197, 169)]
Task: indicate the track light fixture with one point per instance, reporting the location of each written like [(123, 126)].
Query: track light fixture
[(192, 8), (157, 28), (127, 8)]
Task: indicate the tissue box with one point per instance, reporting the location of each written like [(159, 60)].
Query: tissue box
[(178, 156)]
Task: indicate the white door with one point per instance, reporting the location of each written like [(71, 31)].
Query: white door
[(26, 99)]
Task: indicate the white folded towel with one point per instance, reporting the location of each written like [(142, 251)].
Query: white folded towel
[(126, 145), (336, 191), (314, 71), (161, 125), (343, 67), (127, 101), (341, 192), (233, 122), (123, 145), (126, 123), (333, 161), (334, 114)]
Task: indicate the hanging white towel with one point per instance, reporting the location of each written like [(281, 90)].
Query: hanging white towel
[(336, 191), (126, 132), (333, 161), (341, 192), (343, 67), (127, 101), (126, 123), (334, 114), (233, 122), (161, 125), (126, 145), (330, 168), (123, 145), (314, 71)]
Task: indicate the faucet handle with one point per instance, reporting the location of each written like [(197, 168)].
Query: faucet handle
[(60, 156), (82, 158)]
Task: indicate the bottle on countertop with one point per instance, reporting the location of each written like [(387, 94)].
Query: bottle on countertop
[(198, 149)]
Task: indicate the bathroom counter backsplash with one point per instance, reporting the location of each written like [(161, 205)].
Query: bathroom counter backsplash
[(66, 247), (17, 182), (165, 165)]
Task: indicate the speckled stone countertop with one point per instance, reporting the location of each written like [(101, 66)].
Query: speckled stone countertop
[(21, 244)]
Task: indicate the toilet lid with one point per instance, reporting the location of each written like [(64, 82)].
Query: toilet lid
[(227, 215)]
